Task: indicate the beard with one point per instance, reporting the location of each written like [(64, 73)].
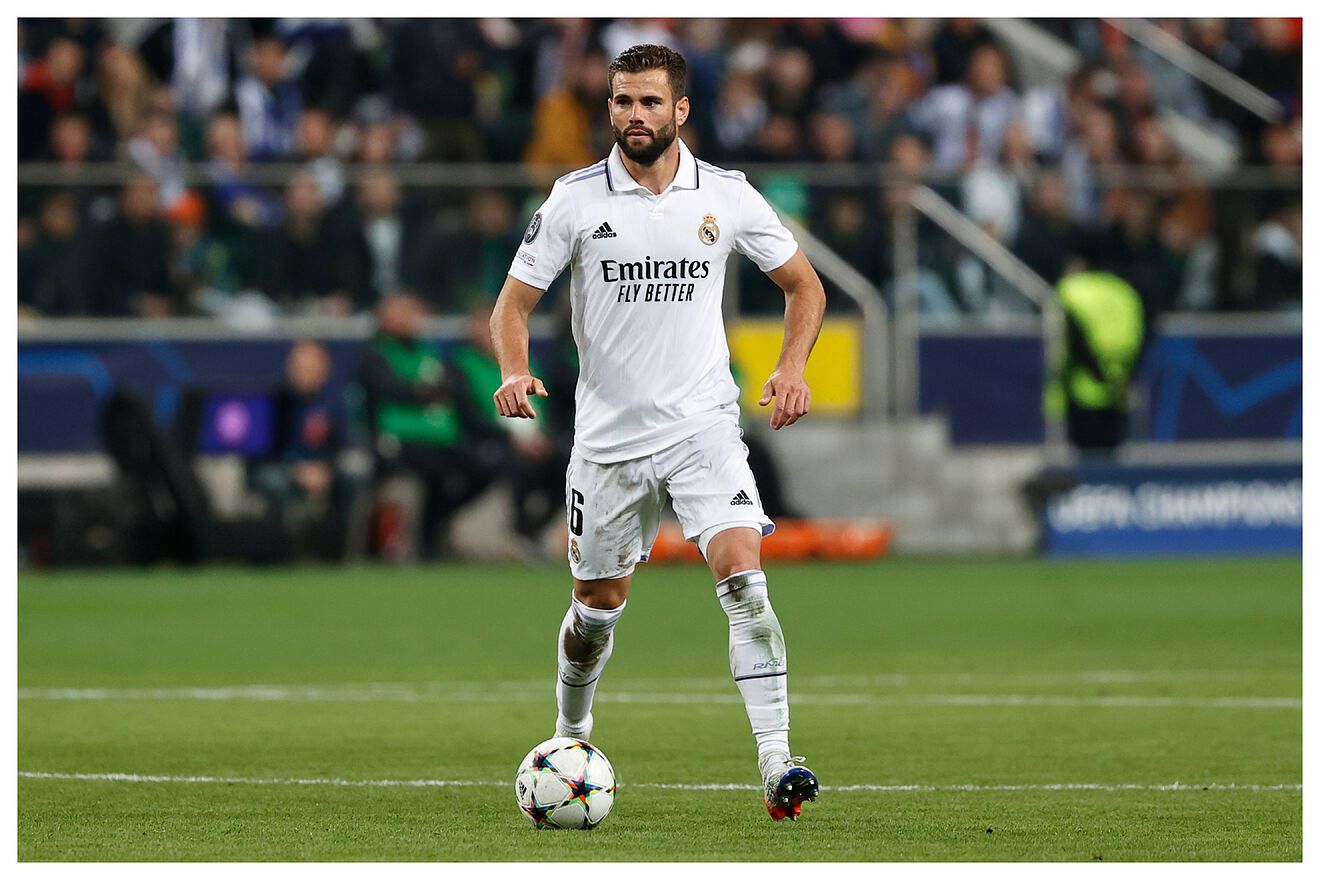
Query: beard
[(646, 153)]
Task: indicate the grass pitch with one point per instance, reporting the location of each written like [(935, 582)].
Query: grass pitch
[(953, 711)]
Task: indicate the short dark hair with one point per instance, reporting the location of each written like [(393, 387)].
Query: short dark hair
[(650, 57)]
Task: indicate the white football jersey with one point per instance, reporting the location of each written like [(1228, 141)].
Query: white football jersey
[(646, 291)]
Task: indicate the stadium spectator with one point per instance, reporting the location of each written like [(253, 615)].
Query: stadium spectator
[(1095, 147), (954, 43), (966, 121), (1276, 252), (389, 240), (268, 102), (71, 150), (125, 96), (523, 450), (880, 97), (335, 70), (128, 272), (1047, 237), (307, 261), (469, 263), (51, 268), (1273, 62), (200, 263), (566, 124), (301, 477), (790, 81), (833, 138), (155, 150), (742, 113), (315, 149), (201, 51), (413, 417), (434, 69), (49, 88)]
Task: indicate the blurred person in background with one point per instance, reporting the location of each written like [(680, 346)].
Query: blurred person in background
[(1106, 332), (315, 143), (1276, 253), (155, 150), (1095, 147), (434, 69), (966, 120), (201, 52), (389, 240), (1047, 235), (268, 101), (412, 411), (524, 451), (307, 261), (52, 265), (125, 96), (470, 261), (301, 477), (71, 149), (833, 138), (201, 264), (128, 271), (883, 101), (1273, 61), (954, 43), (240, 212), (565, 127), (790, 84), (48, 89), (741, 113)]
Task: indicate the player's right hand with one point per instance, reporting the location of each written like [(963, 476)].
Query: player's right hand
[(511, 398)]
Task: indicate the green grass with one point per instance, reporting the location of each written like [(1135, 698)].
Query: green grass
[(937, 674)]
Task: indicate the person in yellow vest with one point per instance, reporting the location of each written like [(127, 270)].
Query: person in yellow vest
[(412, 412), (1106, 328)]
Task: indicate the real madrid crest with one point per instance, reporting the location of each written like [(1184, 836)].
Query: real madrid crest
[(709, 230), (574, 551)]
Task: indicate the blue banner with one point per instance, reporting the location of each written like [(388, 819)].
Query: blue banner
[(1169, 510), (1239, 386)]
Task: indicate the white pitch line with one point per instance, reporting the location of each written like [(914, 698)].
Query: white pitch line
[(451, 783), (403, 693)]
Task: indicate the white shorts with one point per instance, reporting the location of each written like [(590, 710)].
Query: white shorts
[(614, 509)]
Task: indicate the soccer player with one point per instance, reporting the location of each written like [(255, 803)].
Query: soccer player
[(648, 231)]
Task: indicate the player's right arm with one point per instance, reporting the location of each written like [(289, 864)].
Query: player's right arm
[(546, 249), (508, 333)]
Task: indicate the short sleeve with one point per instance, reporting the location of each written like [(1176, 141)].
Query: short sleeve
[(547, 245), (761, 234)]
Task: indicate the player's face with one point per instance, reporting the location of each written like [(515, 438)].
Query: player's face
[(644, 115)]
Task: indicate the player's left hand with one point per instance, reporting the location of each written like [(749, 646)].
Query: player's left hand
[(791, 395)]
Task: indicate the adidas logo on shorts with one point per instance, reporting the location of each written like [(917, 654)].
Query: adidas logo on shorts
[(604, 231), (741, 498)]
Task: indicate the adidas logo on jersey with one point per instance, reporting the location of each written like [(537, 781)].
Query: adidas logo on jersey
[(741, 498), (604, 231)]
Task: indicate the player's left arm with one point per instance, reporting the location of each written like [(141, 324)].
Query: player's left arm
[(804, 309)]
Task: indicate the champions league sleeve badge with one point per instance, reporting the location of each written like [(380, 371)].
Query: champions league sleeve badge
[(534, 228), (708, 231)]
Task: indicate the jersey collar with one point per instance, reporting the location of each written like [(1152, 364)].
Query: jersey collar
[(619, 180)]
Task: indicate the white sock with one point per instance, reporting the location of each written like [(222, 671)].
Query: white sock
[(586, 640), (759, 661)]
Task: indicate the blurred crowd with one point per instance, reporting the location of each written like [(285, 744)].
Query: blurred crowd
[(1061, 173)]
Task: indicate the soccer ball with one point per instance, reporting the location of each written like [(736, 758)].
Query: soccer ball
[(565, 783)]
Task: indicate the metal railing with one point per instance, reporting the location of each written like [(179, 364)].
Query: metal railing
[(875, 316), (994, 254), (1213, 75)]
